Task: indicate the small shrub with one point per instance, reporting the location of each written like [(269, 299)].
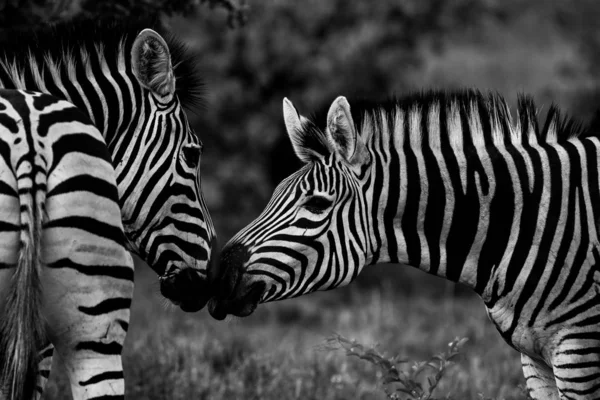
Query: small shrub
[(403, 379)]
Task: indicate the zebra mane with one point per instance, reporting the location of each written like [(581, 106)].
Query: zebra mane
[(490, 109), (62, 43)]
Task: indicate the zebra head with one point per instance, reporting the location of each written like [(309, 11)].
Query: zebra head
[(164, 212), (312, 234)]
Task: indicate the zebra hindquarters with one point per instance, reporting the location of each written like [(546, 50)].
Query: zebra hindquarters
[(88, 275)]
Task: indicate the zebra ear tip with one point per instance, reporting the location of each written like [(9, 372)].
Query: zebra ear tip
[(288, 108), (341, 101), (290, 116), (151, 63)]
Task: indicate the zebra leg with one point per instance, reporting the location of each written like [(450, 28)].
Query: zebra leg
[(88, 319), (88, 287), (576, 362), (45, 366), (539, 379)]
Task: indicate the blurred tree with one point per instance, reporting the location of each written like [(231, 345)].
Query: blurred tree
[(25, 14), (581, 23)]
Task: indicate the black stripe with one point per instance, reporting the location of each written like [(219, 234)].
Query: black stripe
[(582, 351), (78, 143), (553, 213), (393, 194), (113, 271), (582, 251), (87, 183), (436, 199), (573, 313), (111, 348), (527, 225), (104, 376), (413, 197), (9, 123), (90, 225), (465, 218), (501, 211), (107, 306)]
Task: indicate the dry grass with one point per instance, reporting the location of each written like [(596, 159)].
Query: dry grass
[(281, 352)]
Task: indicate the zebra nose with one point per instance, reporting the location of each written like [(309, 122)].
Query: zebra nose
[(231, 263)]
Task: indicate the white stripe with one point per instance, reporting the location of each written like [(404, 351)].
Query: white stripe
[(398, 137), (415, 137), (435, 144), (455, 136), (470, 269)]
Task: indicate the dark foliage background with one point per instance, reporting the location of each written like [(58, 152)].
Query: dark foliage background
[(252, 55)]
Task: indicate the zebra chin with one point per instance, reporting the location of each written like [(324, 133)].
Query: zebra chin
[(238, 305)]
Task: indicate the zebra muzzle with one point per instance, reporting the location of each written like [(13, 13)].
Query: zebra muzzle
[(239, 306), (186, 288)]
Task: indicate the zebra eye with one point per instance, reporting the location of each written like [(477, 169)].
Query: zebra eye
[(191, 153), (317, 204)]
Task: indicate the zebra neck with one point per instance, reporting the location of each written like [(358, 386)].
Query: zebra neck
[(101, 89), (455, 199)]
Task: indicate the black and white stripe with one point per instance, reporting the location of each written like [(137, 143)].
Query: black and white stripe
[(449, 184), (66, 274), (133, 85)]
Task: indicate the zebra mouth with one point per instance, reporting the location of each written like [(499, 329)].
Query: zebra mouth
[(186, 289), (241, 306)]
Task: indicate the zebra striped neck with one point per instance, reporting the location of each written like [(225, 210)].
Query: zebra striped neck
[(89, 64), (81, 78), (455, 185)]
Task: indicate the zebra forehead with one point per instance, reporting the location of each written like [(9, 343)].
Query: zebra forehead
[(433, 107), (60, 42)]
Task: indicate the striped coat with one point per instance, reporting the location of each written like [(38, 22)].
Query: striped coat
[(447, 183)]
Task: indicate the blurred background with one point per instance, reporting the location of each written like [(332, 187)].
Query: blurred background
[(254, 53)]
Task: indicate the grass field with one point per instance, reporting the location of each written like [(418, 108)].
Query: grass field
[(280, 351)]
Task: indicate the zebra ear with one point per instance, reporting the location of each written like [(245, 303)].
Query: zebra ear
[(296, 125), (342, 133), (151, 63)]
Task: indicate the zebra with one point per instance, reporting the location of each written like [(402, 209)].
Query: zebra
[(447, 183), (60, 209), (133, 84)]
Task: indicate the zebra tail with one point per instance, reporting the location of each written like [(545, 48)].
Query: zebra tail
[(22, 326)]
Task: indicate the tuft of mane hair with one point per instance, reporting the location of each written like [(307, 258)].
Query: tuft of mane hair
[(490, 107), (60, 41)]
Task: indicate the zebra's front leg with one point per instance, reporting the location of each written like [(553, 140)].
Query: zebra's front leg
[(539, 378)]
